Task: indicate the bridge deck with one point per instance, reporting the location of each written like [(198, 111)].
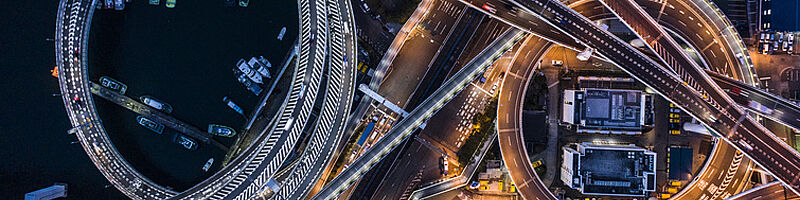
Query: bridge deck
[(154, 114)]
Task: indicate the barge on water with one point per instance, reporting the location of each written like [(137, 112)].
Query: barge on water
[(185, 142), (155, 103), (113, 84), (150, 124)]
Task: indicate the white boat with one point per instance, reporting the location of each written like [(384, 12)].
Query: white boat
[(264, 61), (259, 67), (119, 5), (157, 104), (280, 35), (208, 164), (248, 71)]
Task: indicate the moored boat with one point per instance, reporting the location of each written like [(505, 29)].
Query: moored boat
[(248, 70), (220, 130), (150, 124), (280, 35), (259, 67), (185, 142), (155, 103), (119, 5), (244, 3), (232, 105), (170, 3), (208, 164), (113, 84), (155, 2), (250, 85)]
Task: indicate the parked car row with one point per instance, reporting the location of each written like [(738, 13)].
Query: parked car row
[(674, 120), (778, 42)]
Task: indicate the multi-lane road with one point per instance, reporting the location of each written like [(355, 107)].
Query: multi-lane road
[(769, 191), (712, 106), (419, 115), (245, 177), (509, 124), (72, 30)]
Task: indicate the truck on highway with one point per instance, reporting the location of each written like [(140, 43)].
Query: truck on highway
[(745, 145), (758, 107), (288, 124)]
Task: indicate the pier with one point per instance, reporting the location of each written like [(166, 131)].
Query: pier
[(288, 59), (156, 115)]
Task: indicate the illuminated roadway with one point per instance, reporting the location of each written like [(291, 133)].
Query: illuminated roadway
[(509, 115), (723, 161), (338, 97), (715, 109), (769, 191), (72, 30), (783, 111), (246, 175), (419, 115)]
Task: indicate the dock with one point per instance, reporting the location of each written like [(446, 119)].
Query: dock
[(156, 115), (288, 59)]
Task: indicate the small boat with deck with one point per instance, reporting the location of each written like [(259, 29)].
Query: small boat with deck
[(155, 103), (113, 84), (259, 67), (220, 130), (119, 5), (109, 4), (170, 3), (208, 164), (250, 85), (150, 124), (155, 2), (186, 142), (264, 61), (248, 70), (232, 105), (244, 3), (280, 35)]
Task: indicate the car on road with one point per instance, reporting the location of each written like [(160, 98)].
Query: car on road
[(536, 164), (443, 164), (313, 38), (557, 63), (474, 185), (494, 88), (489, 7)]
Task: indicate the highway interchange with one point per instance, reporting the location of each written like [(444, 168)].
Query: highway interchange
[(327, 41)]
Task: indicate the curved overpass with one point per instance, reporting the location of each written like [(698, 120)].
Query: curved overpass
[(728, 158), (725, 160), (246, 175), (330, 126), (509, 119), (702, 99), (72, 31)]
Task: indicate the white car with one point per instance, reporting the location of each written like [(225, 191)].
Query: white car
[(557, 63), (494, 88), (365, 8)]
